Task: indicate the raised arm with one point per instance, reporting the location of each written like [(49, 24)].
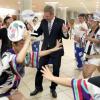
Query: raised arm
[(48, 75), (56, 48), (22, 54)]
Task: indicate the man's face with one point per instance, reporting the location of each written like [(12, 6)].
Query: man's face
[(9, 21), (29, 26), (81, 19), (48, 16), (89, 21)]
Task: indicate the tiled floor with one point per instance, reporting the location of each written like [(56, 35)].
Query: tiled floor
[(67, 70)]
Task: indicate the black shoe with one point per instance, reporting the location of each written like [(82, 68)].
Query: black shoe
[(54, 94), (35, 92)]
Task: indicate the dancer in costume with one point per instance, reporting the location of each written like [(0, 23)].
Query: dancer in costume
[(15, 59)]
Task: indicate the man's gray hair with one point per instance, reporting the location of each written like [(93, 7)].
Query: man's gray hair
[(49, 9)]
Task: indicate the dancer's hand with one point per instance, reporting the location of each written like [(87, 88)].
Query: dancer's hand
[(47, 73), (58, 46), (26, 35)]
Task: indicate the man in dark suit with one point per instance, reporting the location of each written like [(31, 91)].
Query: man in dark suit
[(53, 29), (6, 43)]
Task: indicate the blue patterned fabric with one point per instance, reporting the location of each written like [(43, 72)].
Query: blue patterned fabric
[(35, 49), (79, 55)]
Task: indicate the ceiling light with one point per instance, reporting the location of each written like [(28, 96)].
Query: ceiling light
[(51, 2), (61, 7)]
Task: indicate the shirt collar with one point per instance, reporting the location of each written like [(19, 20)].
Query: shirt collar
[(52, 21)]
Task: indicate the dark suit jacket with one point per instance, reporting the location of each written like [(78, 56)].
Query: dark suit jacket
[(6, 43), (56, 34)]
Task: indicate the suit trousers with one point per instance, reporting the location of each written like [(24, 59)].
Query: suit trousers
[(56, 61)]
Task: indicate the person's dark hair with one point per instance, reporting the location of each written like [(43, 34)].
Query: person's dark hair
[(81, 15), (49, 9), (35, 19), (5, 19), (14, 43)]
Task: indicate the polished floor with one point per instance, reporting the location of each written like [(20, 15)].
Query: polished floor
[(68, 69)]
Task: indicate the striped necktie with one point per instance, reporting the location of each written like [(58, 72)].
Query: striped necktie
[(49, 26)]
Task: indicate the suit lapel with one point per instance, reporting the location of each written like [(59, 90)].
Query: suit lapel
[(46, 27), (53, 26)]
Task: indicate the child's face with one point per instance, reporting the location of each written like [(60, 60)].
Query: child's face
[(19, 45)]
